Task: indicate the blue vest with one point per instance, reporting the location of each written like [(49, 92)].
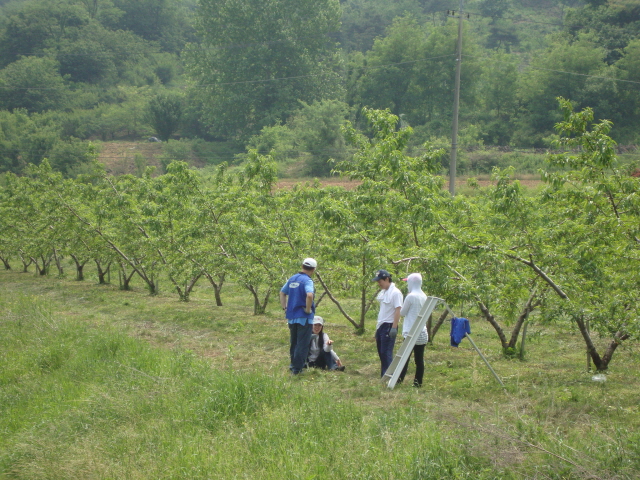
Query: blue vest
[(297, 300)]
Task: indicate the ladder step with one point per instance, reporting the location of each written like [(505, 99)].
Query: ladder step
[(402, 356)]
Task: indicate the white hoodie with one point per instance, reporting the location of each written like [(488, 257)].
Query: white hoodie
[(412, 305)]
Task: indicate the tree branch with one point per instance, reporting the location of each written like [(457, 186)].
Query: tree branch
[(334, 300)]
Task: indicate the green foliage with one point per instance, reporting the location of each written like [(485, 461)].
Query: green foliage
[(540, 86), (600, 204), (614, 25), (33, 84), (312, 135), (33, 26), (178, 151), (168, 24), (243, 82), (165, 114), (67, 156), (364, 20), (412, 69)]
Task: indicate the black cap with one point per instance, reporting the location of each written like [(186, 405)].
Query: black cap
[(381, 275)]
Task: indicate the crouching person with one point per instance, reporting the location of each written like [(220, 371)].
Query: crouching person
[(321, 354)]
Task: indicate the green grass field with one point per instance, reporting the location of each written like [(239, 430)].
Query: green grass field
[(101, 383)]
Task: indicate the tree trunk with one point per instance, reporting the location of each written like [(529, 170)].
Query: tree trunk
[(217, 286), (25, 264), (79, 268), (124, 279), (608, 354), (491, 319), (358, 327), (437, 326), (44, 268), (5, 261), (601, 363), (258, 307), (58, 259), (320, 299), (185, 292), (102, 273), (531, 304)]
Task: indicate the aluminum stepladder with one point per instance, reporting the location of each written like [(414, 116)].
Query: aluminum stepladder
[(400, 359)]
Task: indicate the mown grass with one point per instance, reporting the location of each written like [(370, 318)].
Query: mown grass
[(100, 383)]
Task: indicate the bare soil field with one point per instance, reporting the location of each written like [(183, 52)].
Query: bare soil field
[(529, 181), (119, 159)]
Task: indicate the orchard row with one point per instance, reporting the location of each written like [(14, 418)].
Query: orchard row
[(567, 253)]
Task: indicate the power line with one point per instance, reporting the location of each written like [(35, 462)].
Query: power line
[(325, 73), (517, 19), (367, 67), (527, 65)]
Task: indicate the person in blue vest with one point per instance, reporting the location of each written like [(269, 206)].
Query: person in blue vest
[(296, 299)]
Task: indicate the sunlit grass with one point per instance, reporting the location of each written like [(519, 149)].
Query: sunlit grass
[(100, 383)]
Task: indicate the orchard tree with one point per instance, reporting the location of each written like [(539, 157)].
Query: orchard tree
[(256, 252), (119, 216), (38, 216), (499, 246), (352, 251), (601, 219), (175, 197), (393, 191), (7, 234)]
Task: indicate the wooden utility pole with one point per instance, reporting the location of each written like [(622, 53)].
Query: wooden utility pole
[(456, 104)]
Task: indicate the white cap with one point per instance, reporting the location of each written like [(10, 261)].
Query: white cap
[(309, 262), (318, 320)]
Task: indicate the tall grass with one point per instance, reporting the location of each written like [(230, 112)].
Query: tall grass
[(80, 399), (83, 403)]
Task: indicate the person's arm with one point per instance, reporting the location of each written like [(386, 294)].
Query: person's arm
[(283, 300), (396, 317), (406, 306), (327, 343), (309, 302), (336, 358)]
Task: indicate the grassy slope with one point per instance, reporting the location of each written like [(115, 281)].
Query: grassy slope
[(100, 383)]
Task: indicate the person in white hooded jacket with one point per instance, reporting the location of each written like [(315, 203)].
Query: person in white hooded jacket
[(410, 309)]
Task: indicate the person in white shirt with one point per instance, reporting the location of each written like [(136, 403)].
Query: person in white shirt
[(321, 353), (390, 298), (410, 309)]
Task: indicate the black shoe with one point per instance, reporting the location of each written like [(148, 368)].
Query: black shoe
[(340, 369)]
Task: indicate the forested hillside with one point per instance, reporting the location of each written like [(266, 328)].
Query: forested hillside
[(224, 76)]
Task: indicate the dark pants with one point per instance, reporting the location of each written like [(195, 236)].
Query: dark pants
[(418, 355), (385, 347), (299, 339), (324, 361)]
